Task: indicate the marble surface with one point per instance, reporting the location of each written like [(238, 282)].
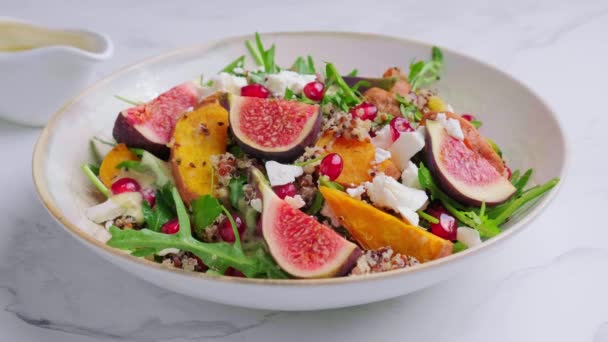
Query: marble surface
[(549, 284)]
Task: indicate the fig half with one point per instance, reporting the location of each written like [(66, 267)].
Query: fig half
[(301, 245), (461, 172), (271, 128), (149, 126)]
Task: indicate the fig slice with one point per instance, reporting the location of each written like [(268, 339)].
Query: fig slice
[(273, 129), (302, 246), (149, 126), (462, 173)]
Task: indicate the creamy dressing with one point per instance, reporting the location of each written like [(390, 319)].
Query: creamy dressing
[(17, 37)]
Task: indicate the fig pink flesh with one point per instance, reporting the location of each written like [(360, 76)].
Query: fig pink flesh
[(308, 244), (261, 120), (465, 165), (160, 115)]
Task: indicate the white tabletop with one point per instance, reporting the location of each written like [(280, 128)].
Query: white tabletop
[(548, 284)]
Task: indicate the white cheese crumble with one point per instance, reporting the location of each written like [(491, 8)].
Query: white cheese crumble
[(256, 204), (296, 201), (468, 236), (451, 125), (405, 147), (278, 83), (409, 177), (356, 192), (383, 138), (281, 174), (386, 192), (225, 82), (128, 203), (327, 212), (381, 155)]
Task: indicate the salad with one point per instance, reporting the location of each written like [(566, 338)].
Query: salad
[(302, 171)]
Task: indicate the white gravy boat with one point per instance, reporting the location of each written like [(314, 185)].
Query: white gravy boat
[(41, 68)]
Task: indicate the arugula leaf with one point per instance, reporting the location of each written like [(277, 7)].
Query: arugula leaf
[(94, 169), (217, 256), (257, 77), (424, 73), (262, 56), (94, 152), (134, 165), (316, 205), (105, 142), (494, 146), (164, 196), (93, 178), (459, 247), (324, 181), (157, 216), (254, 53), (237, 63), (522, 199), (339, 93), (236, 151), (429, 218), (137, 151), (353, 73), (476, 123), (304, 66), (205, 210), (235, 187), (408, 109)]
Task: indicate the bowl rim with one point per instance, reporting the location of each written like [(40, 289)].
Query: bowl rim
[(39, 159)]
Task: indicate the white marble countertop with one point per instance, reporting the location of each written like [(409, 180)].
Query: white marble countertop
[(549, 284)]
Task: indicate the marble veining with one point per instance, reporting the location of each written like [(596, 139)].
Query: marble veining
[(548, 284)]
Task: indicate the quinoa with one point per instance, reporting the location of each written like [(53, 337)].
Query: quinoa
[(126, 222), (382, 260), (184, 260), (342, 124), (307, 188), (225, 166)]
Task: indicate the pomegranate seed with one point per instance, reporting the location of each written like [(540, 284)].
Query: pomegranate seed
[(331, 166), (125, 185), (400, 125), (314, 91), (170, 227), (149, 195), (255, 90), (447, 226), (468, 117), (285, 190), (234, 273), (364, 111), (225, 229)]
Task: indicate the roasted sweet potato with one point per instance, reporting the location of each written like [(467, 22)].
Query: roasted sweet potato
[(374, 229), (197, 136), (108, 170), (357, 157)]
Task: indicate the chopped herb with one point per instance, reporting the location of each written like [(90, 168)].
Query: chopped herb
[(96, 181), (424, 73), (408, 109)]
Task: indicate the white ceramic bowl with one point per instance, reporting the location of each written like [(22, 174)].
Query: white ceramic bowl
[(520, 122), (35, 82)]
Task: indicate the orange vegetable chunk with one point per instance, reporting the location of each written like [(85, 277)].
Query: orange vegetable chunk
[(108, 170)]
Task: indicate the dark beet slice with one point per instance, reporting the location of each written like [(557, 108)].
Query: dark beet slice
[(301, 245), (271, 128), (461, 172), (149, 126)]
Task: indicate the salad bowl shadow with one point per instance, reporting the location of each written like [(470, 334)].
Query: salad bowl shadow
[(506, 106)]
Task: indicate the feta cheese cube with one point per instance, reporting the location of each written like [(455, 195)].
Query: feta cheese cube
[(409, 177), (296, 201), (383, 138), (256, 204), (468, 236), (452, 126), (386, 192), (405, 147), (278, 83), (356, 192), (281, 174), (381, 155), (225, 82)]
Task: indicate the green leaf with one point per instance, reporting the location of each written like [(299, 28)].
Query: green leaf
[(494, 146), (137, 151), (205, 210), (165, 196), (257, 77), (311, 65), (424, 73), (105, 142), (218, 256), (522, 199), (134, 165), (316, 205), (408, 109), (304, 66), (93, 178), (235, 230), (459, 247), (157, 216), (254, 53), (429, 218), (236, 151), (237, 63), (324, 181), (94, 152), (353, 73), (236, 190), (476, 123)]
